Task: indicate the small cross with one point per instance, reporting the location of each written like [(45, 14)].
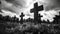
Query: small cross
[(22, 15), (39, 18), (36, 9)]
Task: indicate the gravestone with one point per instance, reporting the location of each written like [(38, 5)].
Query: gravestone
[(22, 15), (39, 18), (35, 10)]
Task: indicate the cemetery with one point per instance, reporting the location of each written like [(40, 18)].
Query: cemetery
[(13, 25)]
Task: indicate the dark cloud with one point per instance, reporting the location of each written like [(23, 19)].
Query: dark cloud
[(9, 0), (12, 5), (16, 2), (52, 4)]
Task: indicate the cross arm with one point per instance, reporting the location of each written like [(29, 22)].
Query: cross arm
[(32, 10), (22, 15), (40, 8)]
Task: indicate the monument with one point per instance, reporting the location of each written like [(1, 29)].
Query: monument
[(22, 15), (36, 9), (39, 18)]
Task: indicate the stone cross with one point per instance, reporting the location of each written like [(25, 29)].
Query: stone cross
[(39, 18), (22, 15), (36, 9)]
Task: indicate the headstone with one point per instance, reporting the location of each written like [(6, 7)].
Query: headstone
[(39, 18), (22, 15), (36, 9)]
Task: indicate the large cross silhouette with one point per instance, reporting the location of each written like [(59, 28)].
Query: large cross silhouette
[(22, 15), (36, 9)]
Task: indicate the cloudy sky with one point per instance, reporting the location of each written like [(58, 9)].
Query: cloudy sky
[(52, 4), (12, 7)]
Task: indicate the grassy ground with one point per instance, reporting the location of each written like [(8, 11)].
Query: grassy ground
[(11, 27)]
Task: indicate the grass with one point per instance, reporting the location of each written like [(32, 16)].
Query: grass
[(12, 27)]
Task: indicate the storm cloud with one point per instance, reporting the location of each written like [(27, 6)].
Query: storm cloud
[(51, 4), (16, 6)]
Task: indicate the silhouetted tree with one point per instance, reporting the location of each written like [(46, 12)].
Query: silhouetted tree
[(7, 18), (56, 19)]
